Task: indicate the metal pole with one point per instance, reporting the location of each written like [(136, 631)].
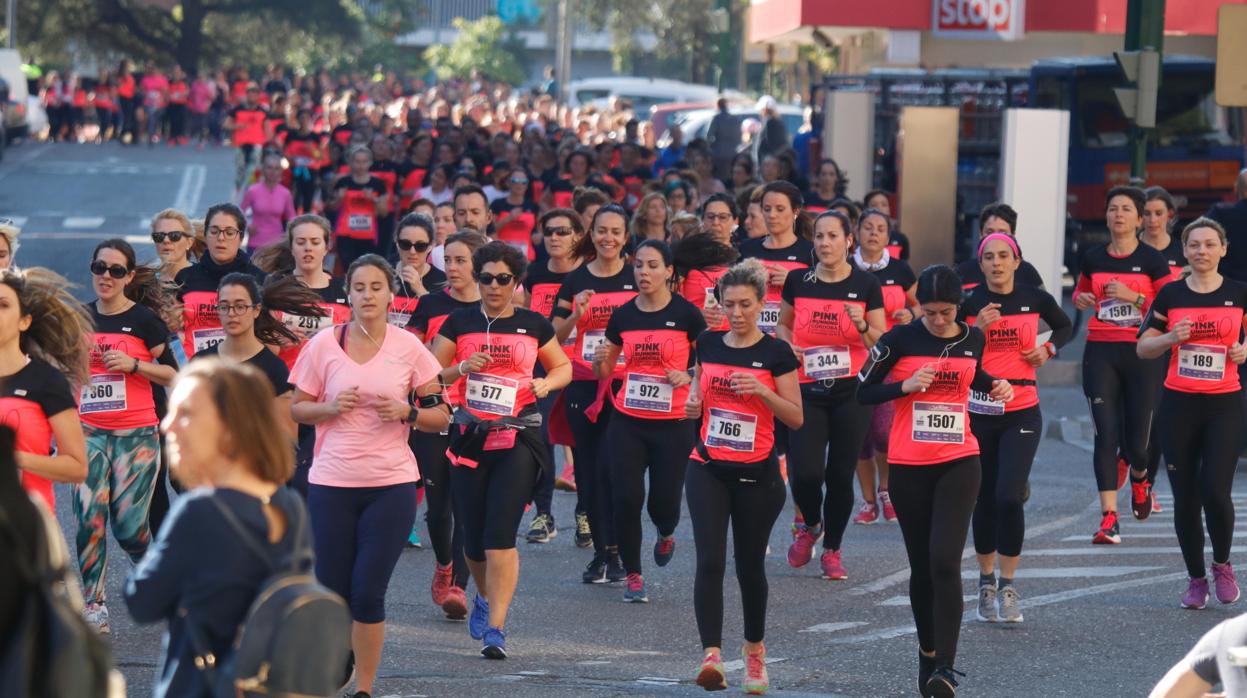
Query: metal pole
[(1145, 28), (11, 15), (563, 57)]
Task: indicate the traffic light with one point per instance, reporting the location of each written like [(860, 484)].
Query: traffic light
[(1142, 70)]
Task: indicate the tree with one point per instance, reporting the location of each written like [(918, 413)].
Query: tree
[(482, 45), (682, 29), (194, 31)]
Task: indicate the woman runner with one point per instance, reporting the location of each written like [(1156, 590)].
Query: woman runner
[(831, 316), (874, 254), (929, 368), (561, 233), (656, 335), (1199, 322), (416, 277), (364, 385), (786, 246), (586, 300), (1012, 314), (746, 381), (44, 355), (997, 217), (495, 448), (119, 417), (1119, 280)]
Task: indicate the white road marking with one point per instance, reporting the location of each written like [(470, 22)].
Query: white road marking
[(833, 627), (904, 600), (98, 235), (19, 221), (1097, 550), (83, 222), (191, 189), (1033, 602), (1134, 536), (738, 664), (657, 681), (1070, 572)]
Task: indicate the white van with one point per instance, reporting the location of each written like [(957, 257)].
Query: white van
[(15, 78), (643, 93)]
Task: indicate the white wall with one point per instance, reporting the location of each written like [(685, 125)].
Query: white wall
[(1033, 164)]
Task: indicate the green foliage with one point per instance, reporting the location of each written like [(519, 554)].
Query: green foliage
[(483, 45)]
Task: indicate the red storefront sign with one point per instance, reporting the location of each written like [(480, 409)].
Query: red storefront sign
[(978, 19)]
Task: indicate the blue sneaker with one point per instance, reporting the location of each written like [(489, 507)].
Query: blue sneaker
[(478, 623), (495, 644), (635, 591), (413, 538)]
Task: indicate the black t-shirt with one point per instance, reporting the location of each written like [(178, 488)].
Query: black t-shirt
[(543, 287), (502, 207), (972, 274), (348, 183), (432, 310), (266, 361)]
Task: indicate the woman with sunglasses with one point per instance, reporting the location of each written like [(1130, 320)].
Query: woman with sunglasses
[(515, 215), (119, 416), (450, 577), (655, 334), (928, 368), (1012, 314), (746, 383), (416, 277), (225, 227), (44, 359), (831, 316), (365, 385), (874, 255), (561, 232), (496, 449), (586, 300), (175, 242)]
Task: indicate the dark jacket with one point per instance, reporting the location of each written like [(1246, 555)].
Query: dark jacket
[(1233, 217)]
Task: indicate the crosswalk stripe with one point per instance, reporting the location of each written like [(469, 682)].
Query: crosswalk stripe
[(19, 221), (904, 600), (82, 222), (833, 627), (1147, 534), (1071, 572), (1097, 550)]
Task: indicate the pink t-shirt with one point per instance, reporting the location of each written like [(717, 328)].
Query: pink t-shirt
[(357, 449), (155, 87), (270, 209), (202, 94)]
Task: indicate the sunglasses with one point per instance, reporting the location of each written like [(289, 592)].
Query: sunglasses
[(408, 245), (562, 231), (100, 268), (173, 236), (489, 279)]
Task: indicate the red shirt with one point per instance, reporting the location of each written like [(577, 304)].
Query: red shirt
[(609, 293), (833, 348), (28, 400), (795, 257), (737, 428), (654, 343), (1202, 364), (121, 400), (1115, 320), (504, 387)]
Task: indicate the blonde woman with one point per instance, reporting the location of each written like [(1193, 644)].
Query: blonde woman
[(652, 217), (8, 242)]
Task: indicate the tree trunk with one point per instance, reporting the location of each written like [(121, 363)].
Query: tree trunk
[(190, 43)]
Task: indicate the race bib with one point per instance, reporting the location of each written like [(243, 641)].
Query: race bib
[(105, 393), (359, 221), (982, 403), (593, 339), (734, 431), (939, 422), (398, 318), (825, 363), (1120, 313), (710, 301), (1203, 362), (492, 394), (207, 338), (646, 392), (307, 325), (769, 317)]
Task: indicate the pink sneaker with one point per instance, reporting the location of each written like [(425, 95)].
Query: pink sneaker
[(1155, 504), (1196, 594), (802, 549), (832, 569), (889, 514), (867, 514), (1225, 583)]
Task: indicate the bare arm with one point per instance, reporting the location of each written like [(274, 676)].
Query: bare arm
[(70, 462)]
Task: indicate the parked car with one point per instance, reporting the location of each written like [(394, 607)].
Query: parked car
[(643, 93), (15, 94)]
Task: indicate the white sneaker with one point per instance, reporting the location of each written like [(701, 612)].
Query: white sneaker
[(97, 615)]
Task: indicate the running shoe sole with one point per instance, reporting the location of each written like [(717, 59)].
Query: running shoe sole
[(841, 578), (1102, 538), (564, 486), (937, 688), (1194, 608), (711, 680), (636, 599), (455, 609), (493, 652)]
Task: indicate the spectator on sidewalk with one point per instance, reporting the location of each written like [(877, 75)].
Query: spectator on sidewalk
[(1233, 217)]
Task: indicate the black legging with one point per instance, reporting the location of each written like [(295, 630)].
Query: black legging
[(824, 451), (543, 493), (304, 192), (1007, 446), (1122, 391), (933, 505), (490, 499), (750, 498), (633, 446), (1201, 437), (445, 530), (592, 472)]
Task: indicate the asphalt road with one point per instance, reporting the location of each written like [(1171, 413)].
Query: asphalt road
[(1099, 620)]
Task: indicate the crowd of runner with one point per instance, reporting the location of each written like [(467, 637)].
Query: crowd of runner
[(448, 301)]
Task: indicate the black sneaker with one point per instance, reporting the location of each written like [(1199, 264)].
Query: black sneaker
[(614, 568), (542, 529), (926, 667), (1140, 498), (943, 682), (584, 535), (595, 573)]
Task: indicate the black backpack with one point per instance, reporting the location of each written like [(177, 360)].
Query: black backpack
[(295, 639), (51, 651)]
